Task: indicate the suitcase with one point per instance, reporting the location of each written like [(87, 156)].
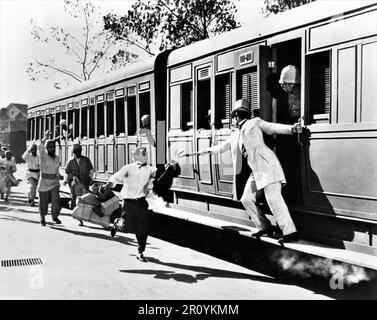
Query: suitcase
[(109, 206), (86, 213)]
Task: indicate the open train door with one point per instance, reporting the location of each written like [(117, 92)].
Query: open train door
[(287, 147)]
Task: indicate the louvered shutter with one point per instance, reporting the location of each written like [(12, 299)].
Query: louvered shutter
[(327, 81), (250, 89)]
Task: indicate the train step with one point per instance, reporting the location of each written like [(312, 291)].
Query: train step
[(302, 247)]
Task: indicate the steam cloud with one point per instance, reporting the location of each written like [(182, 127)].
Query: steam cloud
[(306, 268)]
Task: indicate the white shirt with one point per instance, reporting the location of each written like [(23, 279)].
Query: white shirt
[(50, 166), (32, 163), (135, 180)]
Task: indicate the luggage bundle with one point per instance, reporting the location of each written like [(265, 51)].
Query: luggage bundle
[(97, 207)]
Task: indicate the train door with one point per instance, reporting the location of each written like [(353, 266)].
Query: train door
[(83, 122), (91, 130), (63, 151), (181, 125), (146, 102), (241, 74), (287, 147), (100, 137), (120, 138), (110, 135), (203, 133), (132, 122), (223, 166), (70, 129)]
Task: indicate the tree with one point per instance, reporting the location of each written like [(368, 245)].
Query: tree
[(171, 23), (86, 51), (275, 6)]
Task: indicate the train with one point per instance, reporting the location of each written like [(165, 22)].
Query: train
[(331, 168)]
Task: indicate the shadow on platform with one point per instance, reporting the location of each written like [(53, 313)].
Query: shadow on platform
[(202, 273)]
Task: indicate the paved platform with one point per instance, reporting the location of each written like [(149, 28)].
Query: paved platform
[(86, 263)]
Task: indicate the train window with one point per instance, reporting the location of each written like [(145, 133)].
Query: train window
[(42, 133), (70, 123), (187, 106), (91, 121), (48, 123), (110, 117), (247, 86), (28, 129), (144, 103), (203, 104), (100, 119), (57, 122), (223, 100), (319, 87), (131, 115), (76, 131), (119, 105), (84, 122), (37, 128)]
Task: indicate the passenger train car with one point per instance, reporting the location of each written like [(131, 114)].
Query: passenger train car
[(331, 168)]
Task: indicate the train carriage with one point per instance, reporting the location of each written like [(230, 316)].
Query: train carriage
[(105, 115), (331, 170)]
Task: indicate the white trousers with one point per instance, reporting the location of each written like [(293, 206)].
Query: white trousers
[(276, 203)]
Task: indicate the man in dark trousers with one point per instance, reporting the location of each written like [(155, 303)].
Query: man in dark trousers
[(79, 174), (136, 178)]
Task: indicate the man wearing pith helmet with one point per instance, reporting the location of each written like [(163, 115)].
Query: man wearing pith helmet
[(290, 80), (253, 159)]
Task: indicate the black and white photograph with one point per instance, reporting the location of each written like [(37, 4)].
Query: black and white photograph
[(188, 157)]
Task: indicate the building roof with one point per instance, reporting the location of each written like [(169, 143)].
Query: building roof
[(20, 106)]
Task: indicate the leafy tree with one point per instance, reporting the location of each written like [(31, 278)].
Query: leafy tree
[(86, 51), (171, 23), (275, 6)]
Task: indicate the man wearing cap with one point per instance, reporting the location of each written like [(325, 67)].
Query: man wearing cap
[(79, 173), (49, 185), (264, 174), (136, 178), (32, 161)]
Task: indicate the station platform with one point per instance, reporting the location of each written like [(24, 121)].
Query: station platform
[(301, 247)]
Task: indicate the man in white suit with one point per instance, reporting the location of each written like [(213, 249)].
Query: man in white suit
[(265, 173)]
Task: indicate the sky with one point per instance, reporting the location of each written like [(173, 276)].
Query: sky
[(18, 48)]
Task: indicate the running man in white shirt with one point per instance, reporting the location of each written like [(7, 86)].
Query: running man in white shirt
[(32, 160), (136, 178)]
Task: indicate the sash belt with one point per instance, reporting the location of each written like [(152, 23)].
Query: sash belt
[(49, 176), (138, 199), (34, 170)]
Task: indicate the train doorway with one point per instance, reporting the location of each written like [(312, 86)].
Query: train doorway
[(287, 148)]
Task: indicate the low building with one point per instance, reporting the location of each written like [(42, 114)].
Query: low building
[(13, 124)]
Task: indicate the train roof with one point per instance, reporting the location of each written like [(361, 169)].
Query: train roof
[(291, 19), (134, 69)]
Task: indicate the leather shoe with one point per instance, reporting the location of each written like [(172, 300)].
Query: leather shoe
[(265, 232), (57, 221), (43, 222), (292, 237), (113, 230)]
